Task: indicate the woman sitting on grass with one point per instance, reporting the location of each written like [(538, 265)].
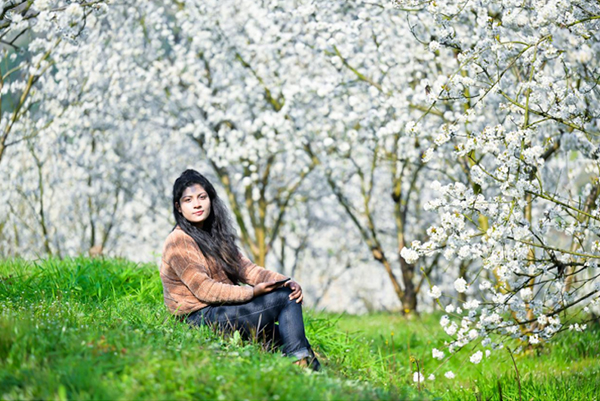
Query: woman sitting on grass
[(202, 268)]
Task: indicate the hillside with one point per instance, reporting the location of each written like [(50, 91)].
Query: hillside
[(97, 329)]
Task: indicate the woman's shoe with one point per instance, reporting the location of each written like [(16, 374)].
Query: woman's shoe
[(313, 362), (309, 362), (303, 362)]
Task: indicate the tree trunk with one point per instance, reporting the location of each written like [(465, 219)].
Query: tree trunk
[(409, 298)]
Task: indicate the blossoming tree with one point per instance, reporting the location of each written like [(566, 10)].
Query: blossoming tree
[(34, 36), (31, 33), (375, 91), (525, 82)]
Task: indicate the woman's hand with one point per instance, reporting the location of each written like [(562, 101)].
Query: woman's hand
[(296, 291), (266, 287)]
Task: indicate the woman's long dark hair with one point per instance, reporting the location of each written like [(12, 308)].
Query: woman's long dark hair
[(216, 238)]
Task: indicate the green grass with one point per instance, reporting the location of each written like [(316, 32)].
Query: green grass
[(567, 369), (97, 329)]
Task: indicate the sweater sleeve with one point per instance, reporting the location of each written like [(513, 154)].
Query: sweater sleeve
[(186, 260), (253, 274)]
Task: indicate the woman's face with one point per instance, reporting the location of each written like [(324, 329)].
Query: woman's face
[(195, 205)]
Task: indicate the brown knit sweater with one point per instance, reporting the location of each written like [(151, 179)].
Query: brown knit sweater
[(191, 281)]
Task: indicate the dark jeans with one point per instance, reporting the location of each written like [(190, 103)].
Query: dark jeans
[(258, 317)]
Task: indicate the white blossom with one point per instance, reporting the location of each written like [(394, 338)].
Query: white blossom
[(437, 354), (418, 377), (460, 285), (476, 357), (435, 292), (471, 304), (410, 255)]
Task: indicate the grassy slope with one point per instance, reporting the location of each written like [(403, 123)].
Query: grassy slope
[(94, 329)]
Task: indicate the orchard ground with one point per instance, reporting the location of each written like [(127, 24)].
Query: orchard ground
[(97, 329)]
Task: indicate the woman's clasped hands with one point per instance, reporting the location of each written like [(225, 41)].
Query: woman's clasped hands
[(268, 286)]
